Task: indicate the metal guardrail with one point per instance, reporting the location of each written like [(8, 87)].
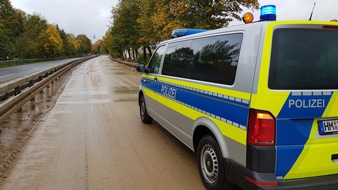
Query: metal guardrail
[(16, 93)]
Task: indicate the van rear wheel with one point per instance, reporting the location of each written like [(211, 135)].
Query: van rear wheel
[(143, 111), (211, 165)]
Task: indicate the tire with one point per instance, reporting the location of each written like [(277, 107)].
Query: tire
[(211, 166), (143, 111)]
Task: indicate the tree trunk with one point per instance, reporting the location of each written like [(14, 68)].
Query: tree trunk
[(129, 56), (144, 55), (150, 53), (133, 54), (137, 54)]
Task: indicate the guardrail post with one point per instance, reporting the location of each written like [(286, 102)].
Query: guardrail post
[(31, 83), (17, 90), (3, 96), (33, 103)]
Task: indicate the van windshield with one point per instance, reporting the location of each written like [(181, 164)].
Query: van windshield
[(304, 59)]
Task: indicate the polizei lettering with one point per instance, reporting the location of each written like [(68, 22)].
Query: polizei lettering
[(307, 103), (168, 91)]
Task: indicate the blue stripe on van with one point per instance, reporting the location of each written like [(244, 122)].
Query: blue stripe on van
[(291, 138), (294, 124), (228, 109)]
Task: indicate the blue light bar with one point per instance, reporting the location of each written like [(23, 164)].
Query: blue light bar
[(268, 13), (185, 32)]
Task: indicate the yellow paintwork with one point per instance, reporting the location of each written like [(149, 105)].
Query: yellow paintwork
[(315, 159), (228, 130)]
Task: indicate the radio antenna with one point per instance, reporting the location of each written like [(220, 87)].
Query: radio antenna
[(312, 11)]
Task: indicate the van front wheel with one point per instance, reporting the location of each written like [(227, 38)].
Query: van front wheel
[(211, 166), (143, 111)]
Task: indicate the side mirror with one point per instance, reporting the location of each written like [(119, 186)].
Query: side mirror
[(140, 67)]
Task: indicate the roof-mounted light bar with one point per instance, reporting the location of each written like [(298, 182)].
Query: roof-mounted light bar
[(184, 32), (268, 13)]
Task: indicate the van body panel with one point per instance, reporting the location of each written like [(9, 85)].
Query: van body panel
[(301, 151), (305, 151), (230, 148), (195, 101)]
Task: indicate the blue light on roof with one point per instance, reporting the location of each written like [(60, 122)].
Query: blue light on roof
[(268, 12), (185, 32)]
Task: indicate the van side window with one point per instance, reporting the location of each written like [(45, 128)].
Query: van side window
[(177, 59), (155, 62), (216, 58), (210, 59)]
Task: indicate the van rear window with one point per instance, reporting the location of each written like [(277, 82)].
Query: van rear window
[(304, 59)]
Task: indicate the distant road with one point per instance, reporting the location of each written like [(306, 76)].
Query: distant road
[(11, 73), (94, 139)]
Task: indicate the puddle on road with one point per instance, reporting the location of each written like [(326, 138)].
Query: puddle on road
[(130, 99), (125, 90), (14, 132)]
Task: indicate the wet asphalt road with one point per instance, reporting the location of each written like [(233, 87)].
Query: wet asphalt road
[(11, 73), (93, 139)]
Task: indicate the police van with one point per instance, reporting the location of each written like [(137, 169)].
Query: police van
[(257, 103)]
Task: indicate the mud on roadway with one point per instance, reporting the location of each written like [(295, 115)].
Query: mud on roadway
[(85, 133)]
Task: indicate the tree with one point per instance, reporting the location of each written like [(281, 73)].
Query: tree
[(153, 20), (30, 36), (98, 47), (26, 43), (107, 42), (11, 25), (124, 31), (85, 44), (74, 45), (5, 44), (50, 42), (209, 14), (65, 43), (156, 19)]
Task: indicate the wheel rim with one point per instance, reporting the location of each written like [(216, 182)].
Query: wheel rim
[(143, 109), (209, 164)]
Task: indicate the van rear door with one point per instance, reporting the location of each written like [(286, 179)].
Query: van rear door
[(304, 61), (302, 94)]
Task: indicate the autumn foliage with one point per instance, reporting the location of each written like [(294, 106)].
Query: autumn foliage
[(27, 36), (144, 23)]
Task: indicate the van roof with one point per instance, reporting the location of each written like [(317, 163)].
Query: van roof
[(242, 27)]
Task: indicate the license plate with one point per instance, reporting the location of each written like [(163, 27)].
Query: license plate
[(328, 127)]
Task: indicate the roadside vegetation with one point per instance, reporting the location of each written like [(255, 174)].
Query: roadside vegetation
[(138, 25), (25, 36)]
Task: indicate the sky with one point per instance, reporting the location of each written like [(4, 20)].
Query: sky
[(93, 17)]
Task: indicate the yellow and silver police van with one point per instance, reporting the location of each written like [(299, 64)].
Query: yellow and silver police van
[(257, 103)]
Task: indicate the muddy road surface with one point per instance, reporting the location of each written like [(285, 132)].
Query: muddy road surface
[(93, 139)]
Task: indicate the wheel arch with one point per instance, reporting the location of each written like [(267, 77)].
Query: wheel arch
[(204, 126)]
